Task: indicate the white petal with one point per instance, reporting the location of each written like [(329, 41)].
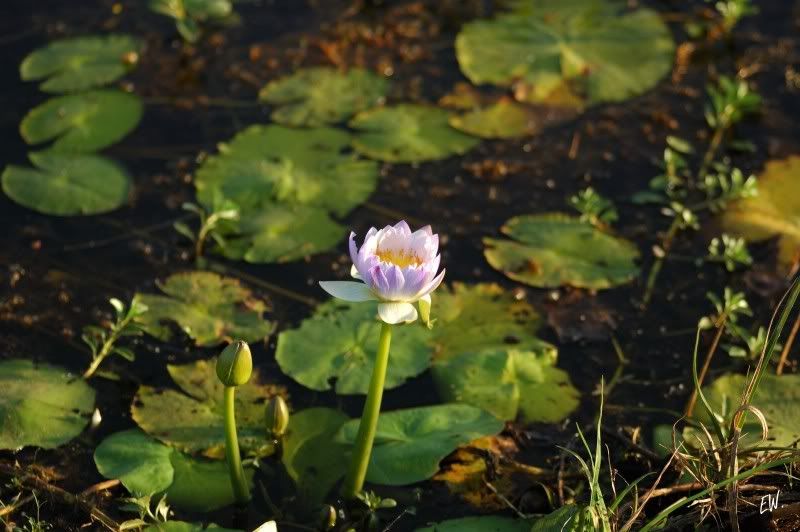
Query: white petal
[(348, 290), (395, 312), (354, 272)]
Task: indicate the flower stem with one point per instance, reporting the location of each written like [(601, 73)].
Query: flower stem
[(241, 490), (354, 481)]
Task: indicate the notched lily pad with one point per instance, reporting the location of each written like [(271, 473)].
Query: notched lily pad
[(41, 405), (508, 383), (81, 63), (502, 120), (410, 443), (317, 96), (340, 341), (83, 122), (774, 212), (66, 184), (191, 418), (408, 133), (208, 307), (551, 250), (578, 52)]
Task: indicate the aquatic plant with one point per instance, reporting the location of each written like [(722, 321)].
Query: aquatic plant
[(398, 268), (103, 341)]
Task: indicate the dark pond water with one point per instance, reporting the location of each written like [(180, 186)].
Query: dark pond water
[(56, 274)]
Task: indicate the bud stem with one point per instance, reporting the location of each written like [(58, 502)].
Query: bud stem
[(241, 489), (354, 481)]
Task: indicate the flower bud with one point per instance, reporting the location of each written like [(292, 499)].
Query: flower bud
[(327, 518), (235, 364), (277, 416)]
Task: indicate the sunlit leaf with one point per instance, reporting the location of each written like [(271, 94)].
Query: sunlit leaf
[(41, 405), (551, 250), (67, 185), (504, 119), (316, 96)]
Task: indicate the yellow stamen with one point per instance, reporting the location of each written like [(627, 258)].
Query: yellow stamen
[(400, 258)]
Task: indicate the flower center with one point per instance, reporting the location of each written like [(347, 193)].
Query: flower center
[(399, 257)]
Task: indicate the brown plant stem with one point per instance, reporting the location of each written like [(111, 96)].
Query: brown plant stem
[(788, 347)]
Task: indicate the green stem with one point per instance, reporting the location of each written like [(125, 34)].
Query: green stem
[(354, 482), (241, 490), (659, 262)]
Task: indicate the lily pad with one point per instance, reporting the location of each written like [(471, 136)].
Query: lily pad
[(774, 212), (408, 133), (314, 97), (191, 418), (287, 183), (310, 456), (340, 341), (502, 120), (183, 526), (409, 444), (41, 405), (83, 122), (66, 184), (777, 396), (551, 250), (81, 63), (508, 383), (483, 523), (596, 51), (146, 466), (207, 307)]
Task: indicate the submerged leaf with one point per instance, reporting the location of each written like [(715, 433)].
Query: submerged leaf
[(408, 133), (317, 96), (774, 212), (41, 405), (67, 185), (207, 307), (81, 63), (410, 443), (551, 250), (191, 419), (83, 122)]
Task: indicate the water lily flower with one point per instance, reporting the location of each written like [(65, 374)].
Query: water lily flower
[(396, 267)]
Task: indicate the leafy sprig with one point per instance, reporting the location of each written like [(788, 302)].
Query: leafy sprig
[(102, 341)]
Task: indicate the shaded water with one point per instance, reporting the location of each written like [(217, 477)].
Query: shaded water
[(57, 273)]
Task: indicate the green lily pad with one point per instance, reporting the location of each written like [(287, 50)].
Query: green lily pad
[(777, 396), (408, 133), (339, 342), (146, 466), (83, 122), (774, 212), (207, 307), (191, 418), (508, 383), (66, 184), (483, 523), (314, 97), (287, 184), (484, 316), (81, 63), (41, 405), (183, 526), (310, 456), (502, 120), (409, 444), (597, 52), (551, 250)]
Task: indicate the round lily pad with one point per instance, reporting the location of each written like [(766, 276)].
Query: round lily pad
[(595, 51), (409, 444), (340, 341), (408, 133), (317, 96), (207, 307), (67, 184), (82, 122), (551, 250), (502, 120), (774, 212), (191, 418), (80, 63), (508, 383), (41, 405)]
